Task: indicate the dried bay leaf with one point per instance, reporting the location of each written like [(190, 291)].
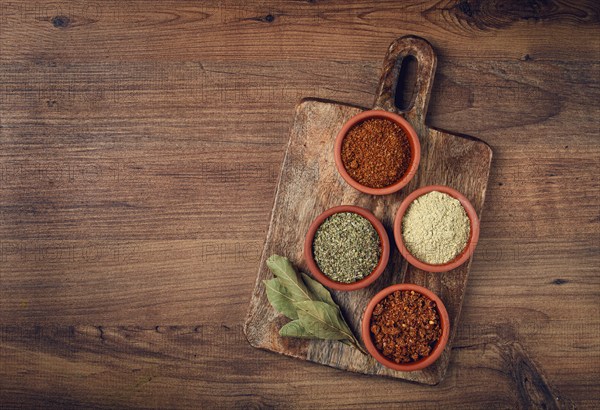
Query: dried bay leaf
[(280, 298), (323, 320), (295, 329), (318, 291), (309, 304), (283, 270)]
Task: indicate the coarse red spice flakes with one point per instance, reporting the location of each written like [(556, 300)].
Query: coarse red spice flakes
[(376, 152), (405, 326)]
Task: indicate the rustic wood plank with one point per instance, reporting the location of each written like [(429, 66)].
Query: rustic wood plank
[(234, 30), (179, 366), (122, 83), (103, 185)]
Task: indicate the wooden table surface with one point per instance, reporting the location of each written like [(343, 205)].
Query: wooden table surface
[(140, 145)]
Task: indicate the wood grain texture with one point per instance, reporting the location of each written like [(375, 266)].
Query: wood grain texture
[(309, 184), (131, 132)]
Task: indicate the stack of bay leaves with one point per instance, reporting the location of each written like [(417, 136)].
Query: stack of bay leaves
[(307, 303)]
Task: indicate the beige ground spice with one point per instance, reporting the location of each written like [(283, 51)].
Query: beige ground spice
[(435, 228)]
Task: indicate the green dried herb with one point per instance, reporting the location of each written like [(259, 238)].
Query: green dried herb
[(309, 304), (346, 247)]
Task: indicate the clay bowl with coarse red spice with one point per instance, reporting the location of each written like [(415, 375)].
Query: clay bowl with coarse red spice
[(382, 159), (417, 308), (384, 242)]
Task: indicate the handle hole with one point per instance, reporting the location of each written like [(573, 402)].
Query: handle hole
[(407, 84)]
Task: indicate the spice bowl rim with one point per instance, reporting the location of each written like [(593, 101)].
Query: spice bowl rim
[(469, 248), (375, 273), (437, 349), (413, 139)]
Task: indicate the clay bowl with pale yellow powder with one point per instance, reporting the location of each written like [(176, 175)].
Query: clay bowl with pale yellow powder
[(471, 242)]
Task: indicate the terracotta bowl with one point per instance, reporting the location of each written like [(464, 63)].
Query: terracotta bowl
[(364, 282), (461, 257), (437, 349), (413, 140)]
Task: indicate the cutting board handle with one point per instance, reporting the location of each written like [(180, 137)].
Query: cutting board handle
[(426, 60)]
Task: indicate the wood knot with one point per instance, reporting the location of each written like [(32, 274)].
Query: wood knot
[(61, 21), (496, 14), (560, 281), (269, 18), (465, 7)]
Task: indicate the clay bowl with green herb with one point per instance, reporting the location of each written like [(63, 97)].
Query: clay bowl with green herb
[(436, 228), (405, 327), (377, 152), (346, 248)]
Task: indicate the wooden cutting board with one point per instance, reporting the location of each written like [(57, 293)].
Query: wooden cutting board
[(309, 184)]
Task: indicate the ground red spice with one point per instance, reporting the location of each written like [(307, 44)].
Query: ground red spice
[(405, 326), (376, 152)]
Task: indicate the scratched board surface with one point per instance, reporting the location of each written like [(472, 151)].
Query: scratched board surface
[(309, 184)]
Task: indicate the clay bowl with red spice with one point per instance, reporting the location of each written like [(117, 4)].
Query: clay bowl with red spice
[(471, 242), (413, 140), (367, 280), (437, 349)]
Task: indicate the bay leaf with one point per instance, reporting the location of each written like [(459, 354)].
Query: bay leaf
[(295, 329), (280, 298), (309, 304), (283, 270), (318, 291), (323, 320)]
